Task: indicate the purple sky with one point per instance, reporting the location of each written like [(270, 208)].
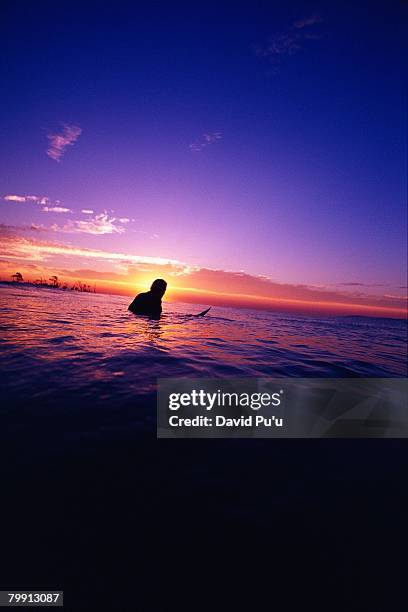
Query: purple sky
[(269, 140)]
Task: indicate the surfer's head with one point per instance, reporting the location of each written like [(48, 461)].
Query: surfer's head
[(158, 287)]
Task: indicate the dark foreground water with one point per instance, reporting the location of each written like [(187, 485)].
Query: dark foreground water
[(93, 504)]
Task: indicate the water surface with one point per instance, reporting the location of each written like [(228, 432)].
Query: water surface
[(85, 478), (86, 357)]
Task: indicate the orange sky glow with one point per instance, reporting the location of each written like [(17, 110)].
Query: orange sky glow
[(127, 274)]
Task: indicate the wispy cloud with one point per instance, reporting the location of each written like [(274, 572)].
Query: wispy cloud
[(306, 22), (205, 140), (21, 199), (102, 223), (5, 230), (354, 284), (56, 209), (60, 141), (47, 204), (289, 42), (14, 198), (97, 225), (26, 249)]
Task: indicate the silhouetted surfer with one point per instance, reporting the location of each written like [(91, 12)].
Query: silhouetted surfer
[(149, 303)]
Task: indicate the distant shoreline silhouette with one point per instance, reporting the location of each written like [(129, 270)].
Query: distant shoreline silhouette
[(17, 279)]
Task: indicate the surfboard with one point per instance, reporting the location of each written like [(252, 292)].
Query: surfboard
[(204, 312)]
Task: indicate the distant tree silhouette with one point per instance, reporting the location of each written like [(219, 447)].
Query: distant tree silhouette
[(54, 282), (79, 286)]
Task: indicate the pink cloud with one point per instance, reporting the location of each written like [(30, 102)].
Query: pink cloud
[(26, 198), (14, 198), (59, 142), (308, 21), (19, 247), (291, 41), (97, 225), (56, 209), (205, 140)]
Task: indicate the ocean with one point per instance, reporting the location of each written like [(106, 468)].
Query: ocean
[(88, 490), (90, 345), (84, 358)]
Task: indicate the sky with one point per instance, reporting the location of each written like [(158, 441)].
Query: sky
[(252, 153)]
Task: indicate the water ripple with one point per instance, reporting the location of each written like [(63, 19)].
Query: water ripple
[(99, 350)]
